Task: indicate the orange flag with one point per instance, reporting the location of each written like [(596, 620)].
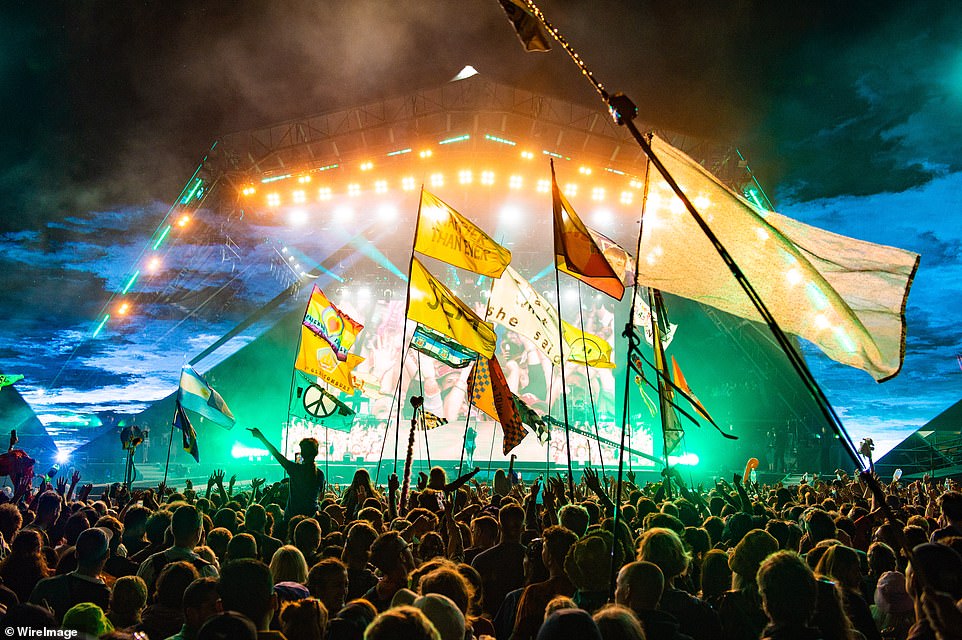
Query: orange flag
[(576, 252), (492, 395), (679, 379)]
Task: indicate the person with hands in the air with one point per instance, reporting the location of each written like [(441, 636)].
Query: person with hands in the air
[(307, 481)]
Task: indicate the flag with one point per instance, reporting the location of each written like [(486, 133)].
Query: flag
[(188, 435), (432, 421), (490, 394), (844, 295), (679, 379), (441, 348), (316, 357), (7, 380), (515, 305), (620, 260), (315, 404), (445, 234), (198, 396), (585, 348), (576, 252), (643, 319), (531, 418), (530, 31), (433, 305), (673, 431), (328, 322)]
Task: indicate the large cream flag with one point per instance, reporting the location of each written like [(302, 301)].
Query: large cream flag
[(844, 295), (515, 305)]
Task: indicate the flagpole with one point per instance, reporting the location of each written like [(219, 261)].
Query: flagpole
[(404, 327), (564, 388), (387, 422), (170, 441), (624, 112), (591, 397), (632, 338)]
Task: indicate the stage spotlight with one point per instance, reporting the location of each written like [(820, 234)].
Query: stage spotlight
[(380, 186), (603, 217), (153, 265), (62, 457), (527, 155), (387, 211), (123, 309), (571, 189), (585, 171), (511, 215), (273, 199), (184, 219), (343, 214), (408, 183), (544, 186), (437, 180), (627, 197), (688, 460), (515, 182), (249, 191), (324, 193), (299, 197), (598, 194), (304, 179), (487, 177), (353, 189), (243, 451), (426, 153), (367, 166), (465, 176), (297, 217)]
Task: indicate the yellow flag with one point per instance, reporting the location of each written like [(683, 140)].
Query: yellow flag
[(433, 305), (585, 348), (316, 357), (445, 234)]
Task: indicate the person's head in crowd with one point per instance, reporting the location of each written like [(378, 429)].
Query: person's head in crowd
[(327, 581), (639, 586), (92, 550), (830, 616), (128, 598), (485, 532), (716, 575), (351, 621), (289, 565), (664, 548), (135, 523), (616, 622), (229, 625), (10, 521), (116, 530), (308, 448), (788, 590), (446, 617), (437, 478), (950, 509), (392, 555), (697, 541), (255, 518), (475, 606), (373, 516), (448, 582), (565, 624), (594, 511), (414, 577), (751, 550), (891, 595), (304, 619), (201, 602), (890, 534), (936, 566), (919, 521), (186, 526), (431, 546), (33, 616), (405, 622), (156, 527), (664, 521), (511, 519), (87, 618), (75, 525), (357, 544), (715, 527), (307, 536), (173, 580), (915, 535), (246, 586), (218, 539), (779, 530), (880, 558), (557, 541), (841, 563), (48, 509), (226, 519), (240, 547), (574, 517), (582, 567), (736, 526), (557, 603)]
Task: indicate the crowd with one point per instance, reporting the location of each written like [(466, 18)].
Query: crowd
[(453, 559)]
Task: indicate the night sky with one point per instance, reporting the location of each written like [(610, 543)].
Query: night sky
[(848, 115)]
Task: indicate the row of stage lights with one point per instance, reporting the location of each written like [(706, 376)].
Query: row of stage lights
[(302, 194)]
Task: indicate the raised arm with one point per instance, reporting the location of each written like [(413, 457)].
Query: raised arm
[(280, 457)]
